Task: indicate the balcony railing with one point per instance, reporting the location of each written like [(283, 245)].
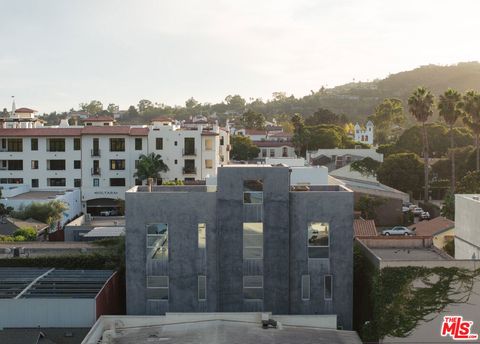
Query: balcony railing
[(96, 171), (95, 152), (191, 152), (189, 170)]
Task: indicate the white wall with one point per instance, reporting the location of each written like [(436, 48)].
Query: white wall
[(317, 175), (369, 152), (47, 312), (467, 230)]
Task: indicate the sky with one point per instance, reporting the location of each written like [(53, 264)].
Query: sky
[(56, 54)]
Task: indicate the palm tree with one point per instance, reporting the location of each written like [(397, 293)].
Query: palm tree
[(471, 106), (420, 104), (449, 107), (150, 166)]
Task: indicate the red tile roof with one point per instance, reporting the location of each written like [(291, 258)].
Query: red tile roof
[(25, 110), (209, 133), (62, 132), (272, 144), (114, 130), (99, 119), (33, 132), (432, 227), (255, 132), (363, 227)]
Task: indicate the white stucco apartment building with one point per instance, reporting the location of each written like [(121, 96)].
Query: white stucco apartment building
[(100, 158), (467, 229)]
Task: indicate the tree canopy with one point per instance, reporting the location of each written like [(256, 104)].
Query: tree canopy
[(243, 148), (402, 171), (150, 166)]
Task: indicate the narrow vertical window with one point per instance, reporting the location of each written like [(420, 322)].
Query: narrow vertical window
[(157, 287), (318, 240), (157, 241), (253, 287), (328, 281), (202, 288), (202, 237), (252, 240), (252, 191), (305, 287)]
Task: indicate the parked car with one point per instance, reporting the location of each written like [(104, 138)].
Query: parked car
[(405, 209), (111, 212), (417, 211), (425, 215), (398, 230)]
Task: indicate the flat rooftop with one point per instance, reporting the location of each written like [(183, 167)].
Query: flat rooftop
[(51, 283), (408, 254), (36, 195)]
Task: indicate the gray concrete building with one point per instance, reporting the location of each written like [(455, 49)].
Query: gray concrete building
[(252, 243)]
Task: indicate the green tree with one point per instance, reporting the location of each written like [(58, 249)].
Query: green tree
[(235, 103), (420, 104), (29, 233), (252, 120), (471, 106), (324, 136), (449, 106), (113, 108), (402, 171), (94, 107), (190, 103), (367, 205), (144, 105), (367, 166), (150, 166), (132, 111), (243, 148), (324, 116), (448, 208), (299, 134), (470, 183), (388, 113)]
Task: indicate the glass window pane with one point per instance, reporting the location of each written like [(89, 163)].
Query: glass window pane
[(252, 240), (202, 237), (252, 253), (253, 281), (318, 252), (253, 185), (318, 234), (157, 228), (328, 287), (157, 281), (253, 293), (202, 288), (305, 287), (254, 197), (157, 294)]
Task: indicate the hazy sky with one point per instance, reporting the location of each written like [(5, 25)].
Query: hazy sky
[(56, 54)]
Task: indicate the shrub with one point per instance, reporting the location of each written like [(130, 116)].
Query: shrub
[(29, 233)]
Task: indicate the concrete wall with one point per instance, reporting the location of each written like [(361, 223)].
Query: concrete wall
[(335, 208), (47, 313), (467, 218)]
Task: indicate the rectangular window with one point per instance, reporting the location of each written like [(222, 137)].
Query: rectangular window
[(253, 191), (222, 140), (305, 287), (202, 236), (208, 163), (77, 164), (328, 281), (15, 145), (159, 143), (318, 240), (76, 143), (202, 288), (189, 146), (264, 152), (157, 241), (56, 145), (56, 165), (15, 165), (253, 287), (34, 144), (56, 182), (157, 287), (117, 145), (117, 181), (208, 144), (272, 153), (138, 143), (77, 183), (252, 240), (117, 164), (34, 183), (34, 165), (96, 182)]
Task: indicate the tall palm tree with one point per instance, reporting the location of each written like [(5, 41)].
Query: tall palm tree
[(150, 166), (471, 106), (420, 104), (450, 108)]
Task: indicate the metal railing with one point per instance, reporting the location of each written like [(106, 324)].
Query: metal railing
[(189, 170), (96, 171), (192, 152), (95, 152)]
